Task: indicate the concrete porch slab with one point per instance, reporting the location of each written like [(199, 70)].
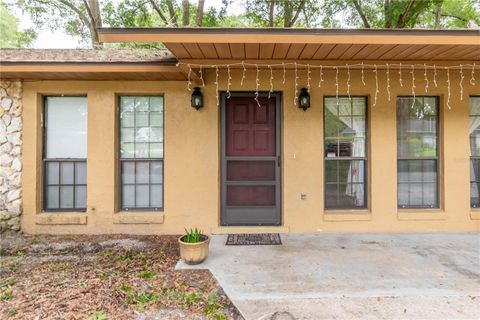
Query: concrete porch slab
[(340, 276)]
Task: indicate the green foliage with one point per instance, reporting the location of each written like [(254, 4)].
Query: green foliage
[(192, 236), (6, 295), (98, 315), (12, 312), (146, 274), (213, 308), (400, 13), (10, 35), (260, 13)]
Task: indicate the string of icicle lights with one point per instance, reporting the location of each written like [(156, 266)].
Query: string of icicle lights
[(429, 71)]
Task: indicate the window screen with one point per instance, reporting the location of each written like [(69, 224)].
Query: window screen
[(141, 152), (65, 152)]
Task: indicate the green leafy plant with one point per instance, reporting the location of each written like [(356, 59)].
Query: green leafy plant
[(98, 315), (192, 236)]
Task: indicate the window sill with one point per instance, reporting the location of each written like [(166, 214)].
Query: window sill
[(63, 218), (428, 214), (138, 217), (362, 215), (475, 215)]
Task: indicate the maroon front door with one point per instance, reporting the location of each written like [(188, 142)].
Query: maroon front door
[(250, 162)]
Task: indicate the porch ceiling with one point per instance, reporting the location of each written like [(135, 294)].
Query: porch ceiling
[(189, 44)]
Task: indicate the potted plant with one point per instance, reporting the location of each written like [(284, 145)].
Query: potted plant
[(194, 246)]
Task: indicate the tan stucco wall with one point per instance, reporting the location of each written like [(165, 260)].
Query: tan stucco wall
[(192, 157)]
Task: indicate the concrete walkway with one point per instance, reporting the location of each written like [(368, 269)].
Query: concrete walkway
[(352, 276)]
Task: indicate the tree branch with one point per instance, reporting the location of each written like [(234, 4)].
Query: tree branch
[(160, 13), (402, 19), (361, 13), (299, 9)]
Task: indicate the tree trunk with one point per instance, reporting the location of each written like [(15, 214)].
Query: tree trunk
[(186, 13), (438, 14), (361, 13), (159, 11), (200, 9), (271, 13), (171, 10), (93, 8), (287, 13), (403, 18), (297, 13), (387, 7)]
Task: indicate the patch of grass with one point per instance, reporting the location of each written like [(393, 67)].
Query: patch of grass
[(14, 266), (146, 274), (190, 298), (6, 295), (12, 312), (34, 240), (9, 282), (213, 309), (20, 253), (98, 315), (133, 297), (82, 283), (59, 266)]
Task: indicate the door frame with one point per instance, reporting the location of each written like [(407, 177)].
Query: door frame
[(278, 146)]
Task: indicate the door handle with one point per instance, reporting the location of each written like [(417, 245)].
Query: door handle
[(278, 161)]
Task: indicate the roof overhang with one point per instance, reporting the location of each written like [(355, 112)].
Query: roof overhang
[(91, 71), (193, 44)]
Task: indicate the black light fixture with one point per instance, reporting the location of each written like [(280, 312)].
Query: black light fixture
[(304, 99), (197, 98)]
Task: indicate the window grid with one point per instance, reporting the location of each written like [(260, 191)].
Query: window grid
[(474, 117), (344, 157), (411, 159), (48, 164), (136, 158), (75, 207)]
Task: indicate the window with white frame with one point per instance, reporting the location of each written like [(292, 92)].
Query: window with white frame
[(345, 145), (417, 152), (65, 153), (474, 130), (141, 152)]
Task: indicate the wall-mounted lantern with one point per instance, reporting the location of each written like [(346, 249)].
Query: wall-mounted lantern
[(304, 99), (197, 98)]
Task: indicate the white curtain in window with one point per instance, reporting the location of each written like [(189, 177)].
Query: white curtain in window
[(66, 127), (356, 172)]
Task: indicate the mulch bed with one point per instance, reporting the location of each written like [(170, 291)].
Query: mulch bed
[(104, 277)]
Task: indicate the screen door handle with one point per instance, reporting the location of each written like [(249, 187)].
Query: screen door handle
[(278, 161)]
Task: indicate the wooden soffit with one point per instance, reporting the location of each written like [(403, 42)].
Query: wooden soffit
[(90, 71), (193, 44)]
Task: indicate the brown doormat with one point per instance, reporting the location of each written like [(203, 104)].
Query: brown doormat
[(253, 239)]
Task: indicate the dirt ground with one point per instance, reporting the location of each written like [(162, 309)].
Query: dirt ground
[(104, 277)]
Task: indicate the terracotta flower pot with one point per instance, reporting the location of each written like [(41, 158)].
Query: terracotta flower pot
[(194, 253)]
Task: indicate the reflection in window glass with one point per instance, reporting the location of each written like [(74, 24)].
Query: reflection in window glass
[(417, 165), (345, 152), (141, 152), (474, 129), (65, 167)]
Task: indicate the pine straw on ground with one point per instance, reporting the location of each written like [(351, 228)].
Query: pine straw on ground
[(104, 277)]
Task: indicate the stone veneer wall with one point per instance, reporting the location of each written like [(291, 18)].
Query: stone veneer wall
[(10, 155)]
